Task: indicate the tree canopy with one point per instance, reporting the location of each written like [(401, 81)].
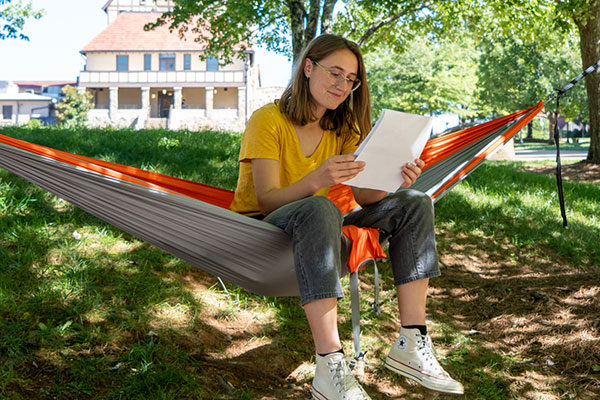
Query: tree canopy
[(13, 15), (526, 30)]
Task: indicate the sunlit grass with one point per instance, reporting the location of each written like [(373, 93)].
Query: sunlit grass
[(88, 311)]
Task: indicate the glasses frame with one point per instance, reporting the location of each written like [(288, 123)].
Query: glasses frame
[(355, 83)]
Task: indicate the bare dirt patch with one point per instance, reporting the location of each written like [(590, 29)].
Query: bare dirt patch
[(582, 171)]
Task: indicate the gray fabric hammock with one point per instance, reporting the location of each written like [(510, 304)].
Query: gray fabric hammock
[(252, 254)]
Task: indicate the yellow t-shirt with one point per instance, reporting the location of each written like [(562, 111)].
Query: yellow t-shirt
[(271, 134)]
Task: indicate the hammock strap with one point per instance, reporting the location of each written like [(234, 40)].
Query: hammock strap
[(561, 196), (559, 93)]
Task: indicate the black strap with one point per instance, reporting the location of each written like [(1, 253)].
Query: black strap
[(561, 196), (559, 93)]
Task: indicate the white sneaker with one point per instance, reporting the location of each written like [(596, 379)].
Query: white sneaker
[(334, 380), (412, 356)]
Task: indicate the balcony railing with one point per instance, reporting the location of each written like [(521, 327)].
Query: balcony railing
[(109, 78)]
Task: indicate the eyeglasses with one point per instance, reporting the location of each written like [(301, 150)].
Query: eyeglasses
[(339, 78)]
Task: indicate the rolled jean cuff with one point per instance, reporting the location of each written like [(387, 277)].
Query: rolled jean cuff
[(307, 299), (432, 274)]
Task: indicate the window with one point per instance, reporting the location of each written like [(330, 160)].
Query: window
[(7, 112), (122, 63), (166, 62), (147, 62), (187, 62), (212, 64)]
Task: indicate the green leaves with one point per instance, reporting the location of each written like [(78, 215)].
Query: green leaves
[(72, 110), (428, 78), (13, 15)]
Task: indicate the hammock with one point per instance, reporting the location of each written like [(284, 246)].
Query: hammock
[(192, 221)]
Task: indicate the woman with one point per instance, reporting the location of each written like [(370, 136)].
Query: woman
[(292, 151)]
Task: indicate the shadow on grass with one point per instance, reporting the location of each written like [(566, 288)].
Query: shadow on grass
[(512, 271)]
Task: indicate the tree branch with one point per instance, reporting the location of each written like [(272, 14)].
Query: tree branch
[(386, 21)]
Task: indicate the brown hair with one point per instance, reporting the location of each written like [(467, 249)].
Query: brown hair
[(353, 115)]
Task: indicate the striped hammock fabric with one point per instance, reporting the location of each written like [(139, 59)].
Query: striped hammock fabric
[(192, 221)]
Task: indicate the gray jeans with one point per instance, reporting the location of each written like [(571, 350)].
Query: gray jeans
[(405, 218)]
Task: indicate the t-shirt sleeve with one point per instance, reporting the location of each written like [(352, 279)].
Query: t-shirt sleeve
[(350, 143), (262, 136)]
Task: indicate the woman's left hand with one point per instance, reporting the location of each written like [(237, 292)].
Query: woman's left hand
[(410, 172)]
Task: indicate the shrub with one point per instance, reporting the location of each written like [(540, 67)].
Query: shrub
[(72, 110)]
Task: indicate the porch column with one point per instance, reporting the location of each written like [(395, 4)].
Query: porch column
[(146, 99), (242, 104), (113, 103), (209, 100), (177, 97)]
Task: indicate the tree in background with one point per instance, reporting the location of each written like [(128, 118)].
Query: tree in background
[(73, 108), (287, 25), (514, 75), (13, 15), (430, 77), (542, 21)]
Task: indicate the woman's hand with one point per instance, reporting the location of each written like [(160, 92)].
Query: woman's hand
[(410, 172), (337, 169)]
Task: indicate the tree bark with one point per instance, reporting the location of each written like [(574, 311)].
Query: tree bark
[(589, 34), (297, 13), (327, 15)]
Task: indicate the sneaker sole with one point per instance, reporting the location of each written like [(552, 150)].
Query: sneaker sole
[(417, 376)]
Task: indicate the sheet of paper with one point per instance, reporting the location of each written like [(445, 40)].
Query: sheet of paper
[(396, 139)]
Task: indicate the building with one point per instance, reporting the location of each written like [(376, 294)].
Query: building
[(18, 108), (146, 79), (44, 88)]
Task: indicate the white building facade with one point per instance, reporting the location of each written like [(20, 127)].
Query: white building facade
[(146, 79), (19, 108)]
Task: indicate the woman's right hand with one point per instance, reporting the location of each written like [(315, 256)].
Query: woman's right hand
[(337, 169)]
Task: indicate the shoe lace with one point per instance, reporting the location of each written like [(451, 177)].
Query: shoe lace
[(428, 354), (343, 378)]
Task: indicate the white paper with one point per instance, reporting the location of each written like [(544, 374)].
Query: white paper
[(396, 139)]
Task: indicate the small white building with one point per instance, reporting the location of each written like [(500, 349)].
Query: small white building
[(18, 108)]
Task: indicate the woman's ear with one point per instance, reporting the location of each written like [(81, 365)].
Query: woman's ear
[(308, 65)]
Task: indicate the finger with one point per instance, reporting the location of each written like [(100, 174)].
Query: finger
[(345, 158), (412, 168), (351, 165), (420, 163)]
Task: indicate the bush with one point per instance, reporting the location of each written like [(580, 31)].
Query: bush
[(72, 110), (34, 124)]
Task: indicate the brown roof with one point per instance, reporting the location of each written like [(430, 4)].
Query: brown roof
[(126, 33)]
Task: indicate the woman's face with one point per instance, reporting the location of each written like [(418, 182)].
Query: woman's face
[(327, 92)]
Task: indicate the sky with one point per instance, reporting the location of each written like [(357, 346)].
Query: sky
[(52, 52)]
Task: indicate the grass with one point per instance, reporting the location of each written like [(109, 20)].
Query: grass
[(90, 312), (581, 145)]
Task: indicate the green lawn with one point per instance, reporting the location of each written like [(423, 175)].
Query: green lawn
[(101, 315)]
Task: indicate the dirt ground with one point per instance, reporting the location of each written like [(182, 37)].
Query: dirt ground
[(581, 171), (541, 316)]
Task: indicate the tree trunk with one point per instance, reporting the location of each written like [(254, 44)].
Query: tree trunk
[(530, 130), (589, 34), (552, 119), (297, 12)]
